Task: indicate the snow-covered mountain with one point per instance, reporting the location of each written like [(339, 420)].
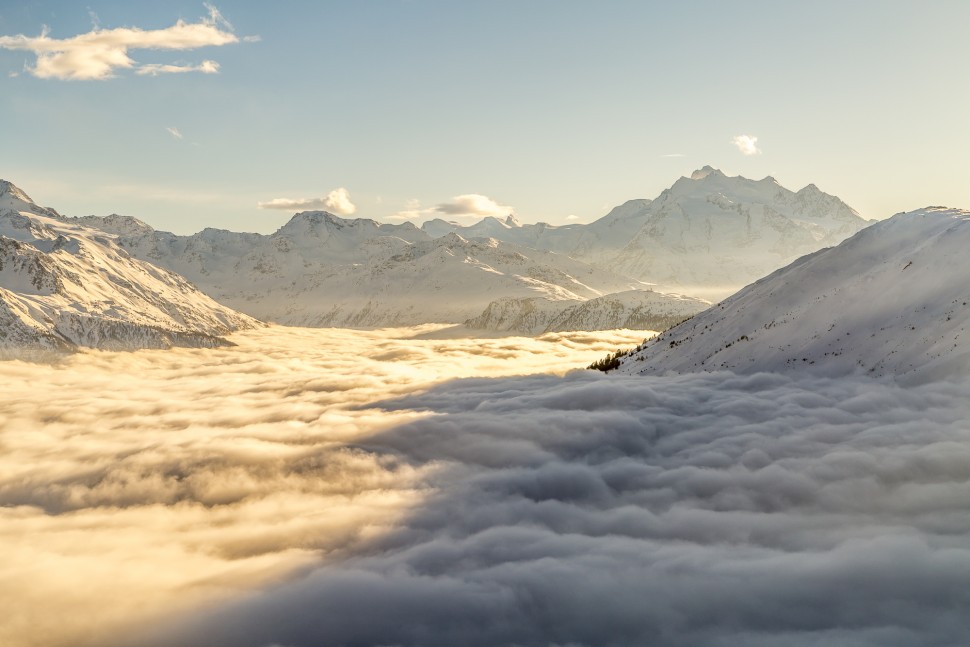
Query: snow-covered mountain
[(633, 309), (707, 235), (63, 285), (323, 270), (893, 300)]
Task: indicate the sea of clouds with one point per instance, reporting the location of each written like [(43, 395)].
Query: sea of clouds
[(334, 487)]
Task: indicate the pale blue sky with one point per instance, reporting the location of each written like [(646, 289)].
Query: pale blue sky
[(555, 108)]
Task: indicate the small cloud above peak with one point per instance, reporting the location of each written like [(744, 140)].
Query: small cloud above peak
[(473, 205), (337, 202), (174, 132), (747, 144)]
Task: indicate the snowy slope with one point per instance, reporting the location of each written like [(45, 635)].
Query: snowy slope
[(892, 300), (707, 235), (63, 285), (633, 309), (323, 270)]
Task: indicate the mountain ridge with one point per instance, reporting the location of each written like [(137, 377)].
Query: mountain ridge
[(891, 301), (64, 286), (701, 230)]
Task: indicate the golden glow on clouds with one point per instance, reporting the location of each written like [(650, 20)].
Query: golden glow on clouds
[(149, 482), (99, 53)]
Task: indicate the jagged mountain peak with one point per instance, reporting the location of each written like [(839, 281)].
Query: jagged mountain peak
[(66, 284), (317, 217), (306, 222), (10, 189), (705, 171), (452, 238)]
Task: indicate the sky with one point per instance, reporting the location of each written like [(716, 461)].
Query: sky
[(556, 110)]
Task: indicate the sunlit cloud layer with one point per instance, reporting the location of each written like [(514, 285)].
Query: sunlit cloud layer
[(337, 201), (100, 53), (709, 510), (153, 482), (333, 487)]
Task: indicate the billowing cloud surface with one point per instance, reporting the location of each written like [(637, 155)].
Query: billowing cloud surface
[(155, 481), (100, 53), (337, 202), (473, 205), (747, 145), (337, 488)]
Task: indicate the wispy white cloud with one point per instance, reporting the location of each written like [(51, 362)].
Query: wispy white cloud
[(412, 211), (95, 20), (674, 155), (747, 144), (100, 53), (572, 216), (154, 69), (174, 132), (337, 201)]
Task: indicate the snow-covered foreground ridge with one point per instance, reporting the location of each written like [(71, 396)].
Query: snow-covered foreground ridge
[(893, 300), (63, 285)]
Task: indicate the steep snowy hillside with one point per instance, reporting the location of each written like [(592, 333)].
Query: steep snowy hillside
[(323, 270), (892, 300), (63, 285), (707, 235), (633, 309)]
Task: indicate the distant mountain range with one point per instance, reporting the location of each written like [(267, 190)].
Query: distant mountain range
[(323, 270), (893, 300), (706, 236), (64, 286), (76, 281), (634, 309)]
